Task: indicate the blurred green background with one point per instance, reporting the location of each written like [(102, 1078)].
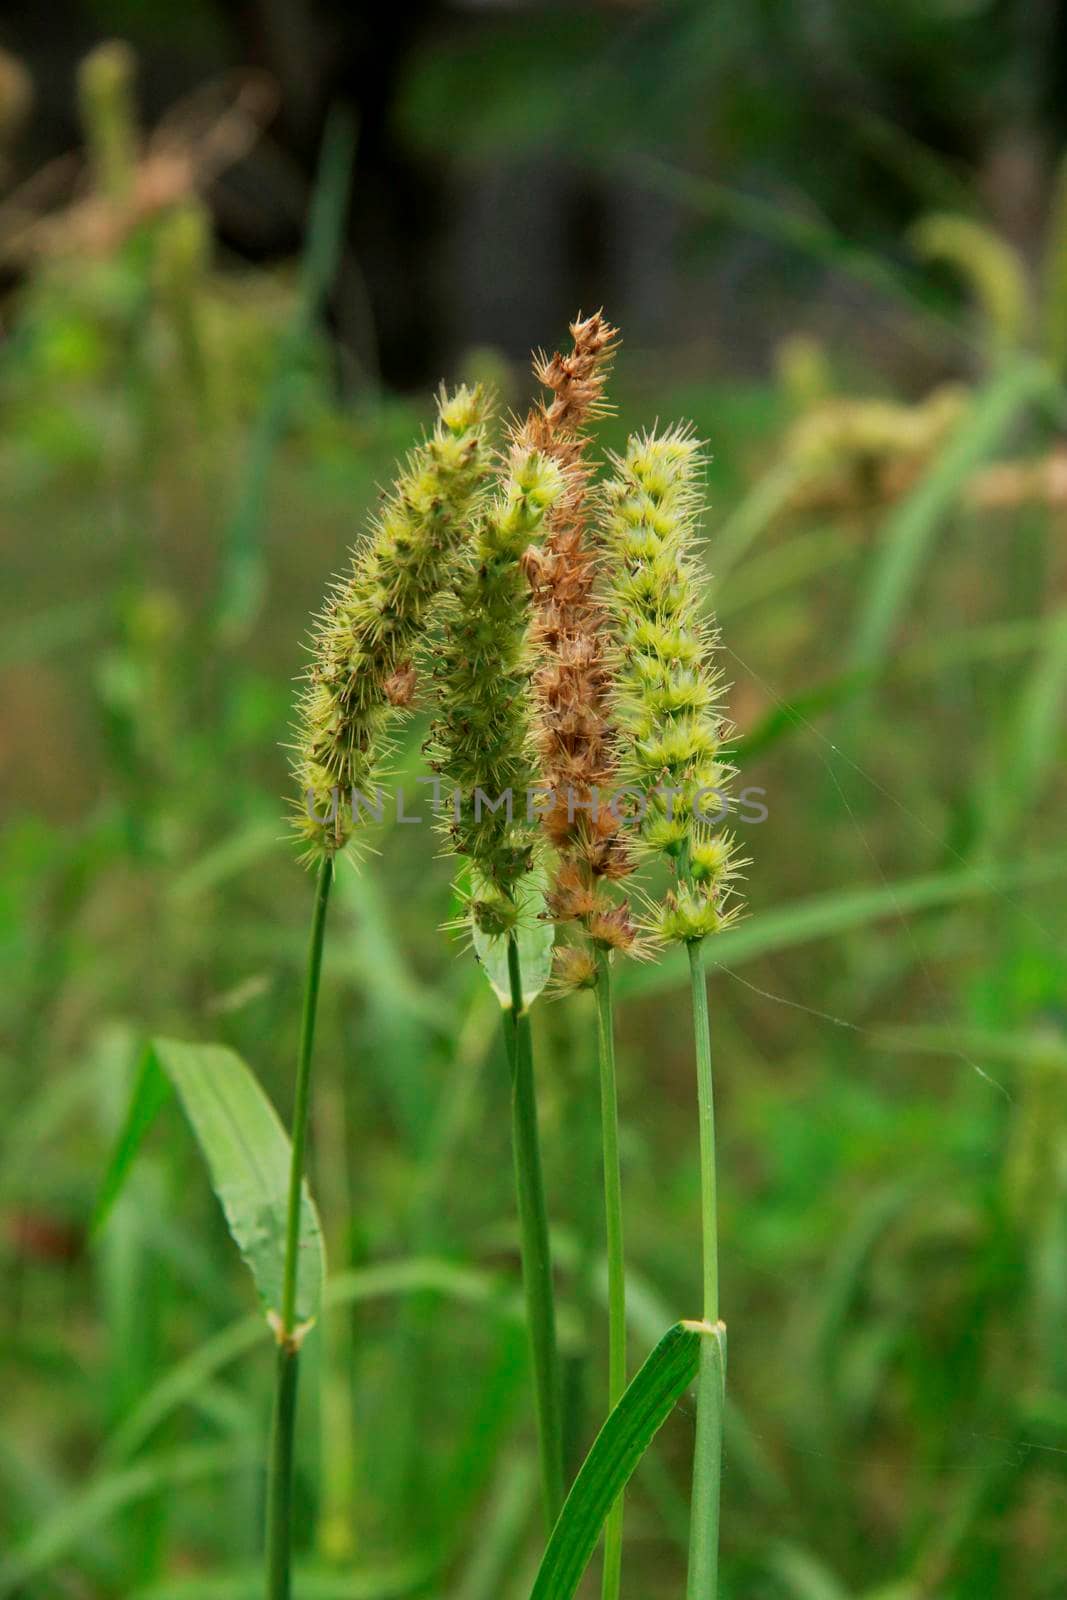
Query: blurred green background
[(236, 253)]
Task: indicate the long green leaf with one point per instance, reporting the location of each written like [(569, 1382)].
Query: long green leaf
[(823, 916), (1035, 745), (499, 1534), (464, 1285), (910, 528), (376, 1583), (803, 1575), (616, 1450), (151, 1091), (926, 657), (1039, 1048), (733, 539), (81, 1512), (247, 1154), (809, 236)]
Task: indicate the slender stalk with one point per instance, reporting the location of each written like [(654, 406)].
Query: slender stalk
[(280, 1469), (280, 1480), (609, 1120), (709, 1218), (533, 1233), (702, 1582)]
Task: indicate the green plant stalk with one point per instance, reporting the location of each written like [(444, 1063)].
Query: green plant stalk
[(280, 1473), (702, 1580), (280, 1466), (533, 1234), (609, 1121)]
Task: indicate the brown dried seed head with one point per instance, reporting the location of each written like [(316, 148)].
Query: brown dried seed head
[(574, 968), (572, 681), (611, 928), (399, 688)]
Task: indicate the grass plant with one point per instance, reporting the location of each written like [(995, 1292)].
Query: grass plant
[(891, 1006)]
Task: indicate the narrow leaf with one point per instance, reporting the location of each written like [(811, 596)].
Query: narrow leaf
[(803, 1574), (616, 1450), (1034, 746), (387, 1582), (84, 1509), (151, 1092), (928, 656), (247, 1153), (822, 916), (910, 528), (384, 1280)]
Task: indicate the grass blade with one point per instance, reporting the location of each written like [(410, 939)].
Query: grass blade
[(822, 916), (616, 1450), (803, 1576), (790, 227), (150, 1094), (388, 1582), (81, 1513), (390, 1279), (247, 1154), (745, 524), (499, 1536), (909, 530), (925, 658), (1033, 749)]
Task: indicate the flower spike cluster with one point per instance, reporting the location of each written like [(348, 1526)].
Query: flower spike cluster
[(577, 699), (667, 692), (481, 741), (572, 682), (361, 675)]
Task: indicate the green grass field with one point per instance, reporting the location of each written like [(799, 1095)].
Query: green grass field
[(179, 481)]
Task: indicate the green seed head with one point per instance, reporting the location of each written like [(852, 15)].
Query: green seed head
[(481, 742), (361, 679), (492, 911), (670, 728), (688, 916)]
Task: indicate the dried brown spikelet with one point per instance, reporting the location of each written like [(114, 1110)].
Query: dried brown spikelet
[(612, 928), (574, 967), (572, 684), (399, 687)]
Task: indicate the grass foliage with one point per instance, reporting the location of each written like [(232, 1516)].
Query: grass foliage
[(888, 1020)]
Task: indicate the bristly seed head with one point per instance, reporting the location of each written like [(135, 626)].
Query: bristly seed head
[(666, 690), (572, 680), (361, 675), (481, 739)]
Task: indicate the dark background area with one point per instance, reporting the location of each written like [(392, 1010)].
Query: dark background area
[(517, 161)]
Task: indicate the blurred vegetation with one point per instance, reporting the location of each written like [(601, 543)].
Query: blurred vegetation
[(184, 458)]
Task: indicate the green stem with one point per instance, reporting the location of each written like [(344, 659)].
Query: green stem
[(706, 1104), (702, 1580), (533, 1233), (280, 1482), (280, 1469), (609, 1119)]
